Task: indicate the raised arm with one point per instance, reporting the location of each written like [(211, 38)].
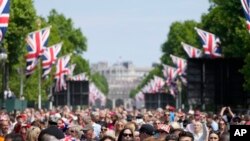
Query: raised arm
[(222, 111), (230, 112)]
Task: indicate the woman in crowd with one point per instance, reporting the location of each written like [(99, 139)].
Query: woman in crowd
[(126, 135), (33, 133), (214, 136), (119, 125), (222, 126)]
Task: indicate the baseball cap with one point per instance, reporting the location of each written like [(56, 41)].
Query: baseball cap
[(148, 129), (53, 131)]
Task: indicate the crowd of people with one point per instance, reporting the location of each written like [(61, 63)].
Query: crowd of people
[(119, 124)]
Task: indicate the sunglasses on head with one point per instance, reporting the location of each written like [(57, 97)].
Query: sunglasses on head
[(127, 135)]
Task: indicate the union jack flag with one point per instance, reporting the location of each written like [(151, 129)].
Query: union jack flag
[(36, 43), (245, 5), (211, 43), (140, 96), (159, 83), (61, 72), (180, 63), (172, 87), (49, 58), (169, 73), (191, 51), (4, 17)]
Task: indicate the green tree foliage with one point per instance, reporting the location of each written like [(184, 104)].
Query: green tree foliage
[(63, 30), (226, 20), (100, 82), (154, 72), (179, 32), (23, 21)]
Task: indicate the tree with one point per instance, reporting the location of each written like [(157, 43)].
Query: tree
[(179, 32), (100, 82), (226, 20)]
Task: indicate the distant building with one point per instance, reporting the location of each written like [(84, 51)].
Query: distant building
[(122, 78)]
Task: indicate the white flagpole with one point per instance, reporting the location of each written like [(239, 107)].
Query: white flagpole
[(38, 21)]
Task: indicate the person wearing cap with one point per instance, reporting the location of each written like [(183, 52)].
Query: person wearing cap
[(146, 131), (163, 131), (88, 133), (52, 132)]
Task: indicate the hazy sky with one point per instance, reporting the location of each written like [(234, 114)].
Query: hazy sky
[(124, 30)]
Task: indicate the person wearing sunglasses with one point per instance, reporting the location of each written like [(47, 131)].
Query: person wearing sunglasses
[(214, 136), (126, 135)]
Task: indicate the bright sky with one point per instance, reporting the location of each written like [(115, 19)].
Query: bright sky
[(128, 30)]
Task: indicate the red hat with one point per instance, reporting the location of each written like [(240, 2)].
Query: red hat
[(164, 127), (22, 116), (171, 108)]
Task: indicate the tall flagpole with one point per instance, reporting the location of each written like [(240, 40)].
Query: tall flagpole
[(38, 22)]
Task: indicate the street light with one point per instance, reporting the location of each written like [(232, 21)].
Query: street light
[(3, 58)]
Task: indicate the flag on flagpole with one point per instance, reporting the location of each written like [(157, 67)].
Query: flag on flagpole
[(61, 72), (49, 58), (4, 17), (245, 5), (36, 42), (180, 63), (170, 73), (211, 43), (191, 51)]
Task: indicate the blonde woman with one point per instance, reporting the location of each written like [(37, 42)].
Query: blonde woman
[(32, 133), (75, 132)]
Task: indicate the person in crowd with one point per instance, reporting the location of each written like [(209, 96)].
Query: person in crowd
[(119, 125), (186, 136), (163, 131), (225, 137), (199, 131), (222, 126), (104, 129), (226, 113), (89, 134), (33, 133), (4, 127), (146, 131), (171, 137), (136, 135), (92, 121), (214, 125), (126, 135), (75, 132), (176, 131), (107, 138), (214, 136), (14, 137), (130, 125), (51, 132)]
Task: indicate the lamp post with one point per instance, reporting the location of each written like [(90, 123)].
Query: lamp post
[(3, 58)]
